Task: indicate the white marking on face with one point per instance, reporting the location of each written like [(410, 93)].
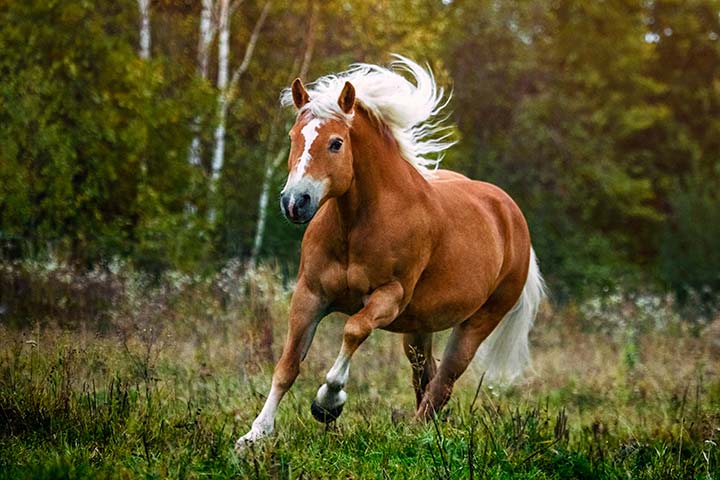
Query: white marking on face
[(309, 133)]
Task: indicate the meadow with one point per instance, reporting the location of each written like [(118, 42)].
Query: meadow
[(623, 388)]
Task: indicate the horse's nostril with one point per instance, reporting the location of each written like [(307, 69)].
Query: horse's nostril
[(285, 202), (303, 200)]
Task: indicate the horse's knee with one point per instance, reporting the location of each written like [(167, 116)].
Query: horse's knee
[(355, 332)]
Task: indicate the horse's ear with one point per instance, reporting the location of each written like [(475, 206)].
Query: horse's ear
[(300, 95), (347, 98)]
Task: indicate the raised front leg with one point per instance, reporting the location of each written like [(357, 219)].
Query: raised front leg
[(381, 308), (418, 349), (306, 310)]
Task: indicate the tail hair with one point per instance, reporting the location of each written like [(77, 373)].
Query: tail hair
[(504, 354)]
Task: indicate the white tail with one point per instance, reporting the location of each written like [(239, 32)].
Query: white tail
[(505, 353)]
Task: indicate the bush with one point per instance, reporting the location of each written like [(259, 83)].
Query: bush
[(690, 248)]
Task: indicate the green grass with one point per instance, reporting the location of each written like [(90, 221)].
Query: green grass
[(170, 403)]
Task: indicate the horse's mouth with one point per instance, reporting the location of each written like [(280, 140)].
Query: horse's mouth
[(301, 219)]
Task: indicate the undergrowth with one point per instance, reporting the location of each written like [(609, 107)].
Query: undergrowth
[(165, 393)]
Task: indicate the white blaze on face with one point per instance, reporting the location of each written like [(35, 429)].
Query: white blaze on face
[(309, 133)]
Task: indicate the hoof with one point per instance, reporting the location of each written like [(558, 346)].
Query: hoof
[(325, 415), (242, 445)]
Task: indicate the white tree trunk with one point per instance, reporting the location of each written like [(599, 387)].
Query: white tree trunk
[(207, 32), (228, 88), (222, 83), (262, 206), (205, 38), (144, 9), (271, 166)]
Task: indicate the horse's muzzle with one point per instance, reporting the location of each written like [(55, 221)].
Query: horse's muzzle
[(298, 207)]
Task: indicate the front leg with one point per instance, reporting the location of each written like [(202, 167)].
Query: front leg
[(306, 310), (381, 308)]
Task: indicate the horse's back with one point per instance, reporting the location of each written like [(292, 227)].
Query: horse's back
[(481, 204)]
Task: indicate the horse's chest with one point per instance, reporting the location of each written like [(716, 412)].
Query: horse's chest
[(349, 285), (358, 279)]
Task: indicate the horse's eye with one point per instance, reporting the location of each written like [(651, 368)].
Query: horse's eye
[(335, 145)]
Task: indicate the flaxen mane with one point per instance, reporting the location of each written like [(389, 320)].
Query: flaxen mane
[(409, 110)]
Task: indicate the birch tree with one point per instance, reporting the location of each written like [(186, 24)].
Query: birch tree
[(144, 10), (228, 86), (272, 162), (208, 28), (222, 81)]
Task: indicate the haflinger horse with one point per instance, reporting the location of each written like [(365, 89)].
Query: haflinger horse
[(396, 244)]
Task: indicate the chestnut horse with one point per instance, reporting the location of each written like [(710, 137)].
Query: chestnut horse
[(397, 245)]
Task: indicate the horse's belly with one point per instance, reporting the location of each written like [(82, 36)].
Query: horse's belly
[(448, 295), (443, 309), (411, 323)]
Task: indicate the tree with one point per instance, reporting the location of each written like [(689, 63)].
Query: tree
[(228, 89), (89, 138), (144, 10)]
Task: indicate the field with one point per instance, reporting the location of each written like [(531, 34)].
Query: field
[(164, 391)]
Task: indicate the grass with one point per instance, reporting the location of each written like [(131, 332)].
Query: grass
[(168, 396)]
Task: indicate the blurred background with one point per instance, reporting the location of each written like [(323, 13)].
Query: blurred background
[(147, 134), (146, 271)]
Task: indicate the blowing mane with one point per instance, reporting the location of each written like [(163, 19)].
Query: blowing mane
[(409, 110)]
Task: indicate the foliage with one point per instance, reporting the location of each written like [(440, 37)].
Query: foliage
[(168, 390), (690, 259), (601, 119), (93, 140), (571, 108)]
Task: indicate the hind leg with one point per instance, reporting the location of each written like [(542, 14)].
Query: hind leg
[(459, 352), (418, 349)]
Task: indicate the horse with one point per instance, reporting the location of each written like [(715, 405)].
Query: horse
[(396, 243)]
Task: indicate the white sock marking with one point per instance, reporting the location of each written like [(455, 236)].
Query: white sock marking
[(264, 424), (331, 393)]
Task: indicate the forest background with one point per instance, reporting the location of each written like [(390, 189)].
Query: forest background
[(146, 270), (150, 132)]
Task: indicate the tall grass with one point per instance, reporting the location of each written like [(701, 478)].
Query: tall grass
[(179, 369)]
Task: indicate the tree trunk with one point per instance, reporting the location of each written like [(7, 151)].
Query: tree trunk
[(263, 203), (205, 38), (228, 88), (207, 32), (144, 10), (272, 164), (222, 84)]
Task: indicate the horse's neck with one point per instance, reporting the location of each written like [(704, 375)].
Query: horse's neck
[(382, 178)]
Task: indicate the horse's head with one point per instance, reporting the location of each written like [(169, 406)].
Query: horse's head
[(320, 162)]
